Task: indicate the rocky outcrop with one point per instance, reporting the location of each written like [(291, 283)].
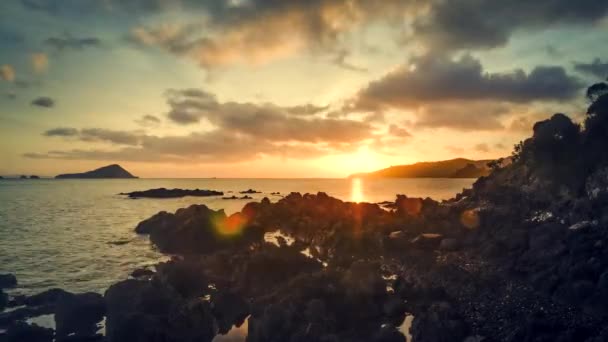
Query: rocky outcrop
[(172, 193), (198, 229)]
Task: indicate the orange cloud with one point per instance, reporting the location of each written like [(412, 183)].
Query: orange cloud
[(40, 62), (7, 73)]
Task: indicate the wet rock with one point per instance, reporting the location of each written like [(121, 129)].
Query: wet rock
[(198, 229), (149, 311), (172, 193), (427, 240), (7, 281), (144, 273), (229, 309), (79, 314), (449, 244), (23, 332), (48, 297), (389, 334), (440, 323)]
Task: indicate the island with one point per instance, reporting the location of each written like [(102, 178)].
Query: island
[(110, 171), (453, 168), (172, 193)]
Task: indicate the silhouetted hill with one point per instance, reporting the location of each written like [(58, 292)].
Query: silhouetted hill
[(453, 168), (110, 171)]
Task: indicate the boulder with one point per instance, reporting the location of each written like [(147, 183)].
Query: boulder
[(79, 314), (23, 332), (7, 281)]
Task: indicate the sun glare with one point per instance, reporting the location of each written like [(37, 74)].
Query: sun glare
[(356, 190)]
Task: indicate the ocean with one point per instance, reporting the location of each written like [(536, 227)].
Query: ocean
[(79, 234)]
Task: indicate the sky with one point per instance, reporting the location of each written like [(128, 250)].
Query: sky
[(271, 88)]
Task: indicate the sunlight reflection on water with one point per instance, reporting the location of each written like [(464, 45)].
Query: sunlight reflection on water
[(356, 194)]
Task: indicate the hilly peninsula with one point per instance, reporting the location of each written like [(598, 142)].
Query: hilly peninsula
[(453, 168), (110, 171)]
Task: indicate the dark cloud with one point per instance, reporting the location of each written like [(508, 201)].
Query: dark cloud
[(437, 78), (471, 24), (97, 135), (43, 101), (596, 68), (11, 95), (265, 121), (148, 121), (398, 131), (69, 42), (61, 132), (262, 30), (340, 61), (463, 116)]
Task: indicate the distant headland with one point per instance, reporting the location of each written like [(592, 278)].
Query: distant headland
[(110, 171), (453, 168)]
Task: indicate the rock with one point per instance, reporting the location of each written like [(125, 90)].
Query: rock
[(3, 300), (449, 244), (172, 193), (440, 323), (48, 297), (427, 240), (389, 333), (34, 177), (229, 309), (198, 229), (250, 191), (7, 281), (142, 273), (79, 314), (149, 311), (23, 332)]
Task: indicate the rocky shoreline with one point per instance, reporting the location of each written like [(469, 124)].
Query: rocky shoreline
[(521, 256)]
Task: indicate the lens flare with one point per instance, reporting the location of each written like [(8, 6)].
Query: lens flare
[(470, 218), (230, 226)]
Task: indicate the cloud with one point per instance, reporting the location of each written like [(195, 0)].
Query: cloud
[(437, 78), (483, 24), (235, 132), (11, 95), (259, 31), (43, 101), (148, 121), (397, 131), (463, 116), (7, 73), (61, 132), (482, 148), (596, 68), (69, 42), (206, 147), (265, 121), (97, 135), (40, 61)]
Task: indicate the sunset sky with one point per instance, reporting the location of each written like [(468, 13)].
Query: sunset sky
[(270, 88)]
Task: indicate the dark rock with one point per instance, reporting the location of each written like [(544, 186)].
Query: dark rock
[(79, 314), (198, 229), (427, 240), (229, 309), (250, 191), (440, 323), (449, 244), (389, 334), (172, 193), (142, 273), (7, 281), (34, 177), (23, 332), (49, 297)]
